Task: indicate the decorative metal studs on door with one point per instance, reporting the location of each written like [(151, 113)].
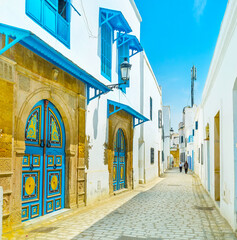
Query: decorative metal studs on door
[(43, 165)]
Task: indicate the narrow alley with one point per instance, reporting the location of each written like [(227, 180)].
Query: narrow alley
[(175, 207)]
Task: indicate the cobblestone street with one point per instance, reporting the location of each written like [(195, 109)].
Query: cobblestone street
[(176, 207)]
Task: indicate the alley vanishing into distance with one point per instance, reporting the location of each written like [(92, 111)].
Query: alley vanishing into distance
[(173, 207)]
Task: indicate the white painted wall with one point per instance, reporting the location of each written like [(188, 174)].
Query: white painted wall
[(85, 32), (166, 143), (85, 52), (219, 95), (151, 132)]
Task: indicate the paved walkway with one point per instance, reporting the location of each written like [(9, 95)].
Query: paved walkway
[(175, 208)]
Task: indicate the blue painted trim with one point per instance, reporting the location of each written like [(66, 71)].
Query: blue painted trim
[(38, 46), (75, 9), (133, 43), (97, 93), (115, 19), (13, 33), (119, 106), (41, 22)]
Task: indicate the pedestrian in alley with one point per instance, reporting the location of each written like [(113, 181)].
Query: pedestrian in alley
[(180, 167), (186, 167)]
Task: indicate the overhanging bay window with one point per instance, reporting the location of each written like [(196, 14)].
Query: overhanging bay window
[(128, 46), (110, 21), (53, 16)]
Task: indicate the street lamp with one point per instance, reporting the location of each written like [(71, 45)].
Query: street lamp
[(125, 68)]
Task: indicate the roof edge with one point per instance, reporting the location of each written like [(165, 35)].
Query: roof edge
[(136, 10)]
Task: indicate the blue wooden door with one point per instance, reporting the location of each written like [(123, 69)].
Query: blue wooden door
[(119, 164), (43, 167)]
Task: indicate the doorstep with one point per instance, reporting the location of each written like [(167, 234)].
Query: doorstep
[(121, 191)]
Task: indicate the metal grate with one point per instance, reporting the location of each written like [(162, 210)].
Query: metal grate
[(204, 208), (44, 230)]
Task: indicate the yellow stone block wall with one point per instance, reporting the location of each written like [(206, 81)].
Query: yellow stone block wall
[(6, 132), (176, 157), (25, 79)]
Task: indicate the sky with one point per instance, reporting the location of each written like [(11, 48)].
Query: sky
[(177, 34)]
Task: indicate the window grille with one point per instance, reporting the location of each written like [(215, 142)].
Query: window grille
[(152, 155)]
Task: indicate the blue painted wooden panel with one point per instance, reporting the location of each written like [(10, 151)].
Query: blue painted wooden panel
[(55, 169), (106, 50), (119, 165), (63, 29), (50, 18), (32, 164), (34, 9), (43, 180), (46, 14), (53, 3)]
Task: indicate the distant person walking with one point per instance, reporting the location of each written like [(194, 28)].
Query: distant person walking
[(186, 167), (180, 167)]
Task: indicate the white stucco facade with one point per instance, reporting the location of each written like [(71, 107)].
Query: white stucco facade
[(217, 121), (85, 52), (166, 137)]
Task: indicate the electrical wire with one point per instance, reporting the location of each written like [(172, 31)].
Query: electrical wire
[(91, 35)]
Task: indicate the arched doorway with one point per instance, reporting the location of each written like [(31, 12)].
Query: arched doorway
[(119, 164), (43, 166)]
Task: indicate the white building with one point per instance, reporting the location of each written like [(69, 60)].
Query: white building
[(187, 133), (166, 137), (216, 137), (58, 62)]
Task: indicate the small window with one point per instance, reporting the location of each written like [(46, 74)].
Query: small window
[(62, 8), (163, 157), (196, 125), (193, 132), (152, 155), (150, 108), (106, 50), (181, 139), (159, 119)]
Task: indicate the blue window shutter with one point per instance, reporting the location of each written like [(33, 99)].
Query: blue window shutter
[(63, 29), (123, 52), (50, 18), (45, 13), (53, 3), (106, 51), (34, 9)]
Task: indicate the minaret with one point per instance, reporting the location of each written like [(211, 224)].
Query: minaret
[(193, 77)]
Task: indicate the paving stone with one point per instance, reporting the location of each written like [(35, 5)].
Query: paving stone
[(164, 211)]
